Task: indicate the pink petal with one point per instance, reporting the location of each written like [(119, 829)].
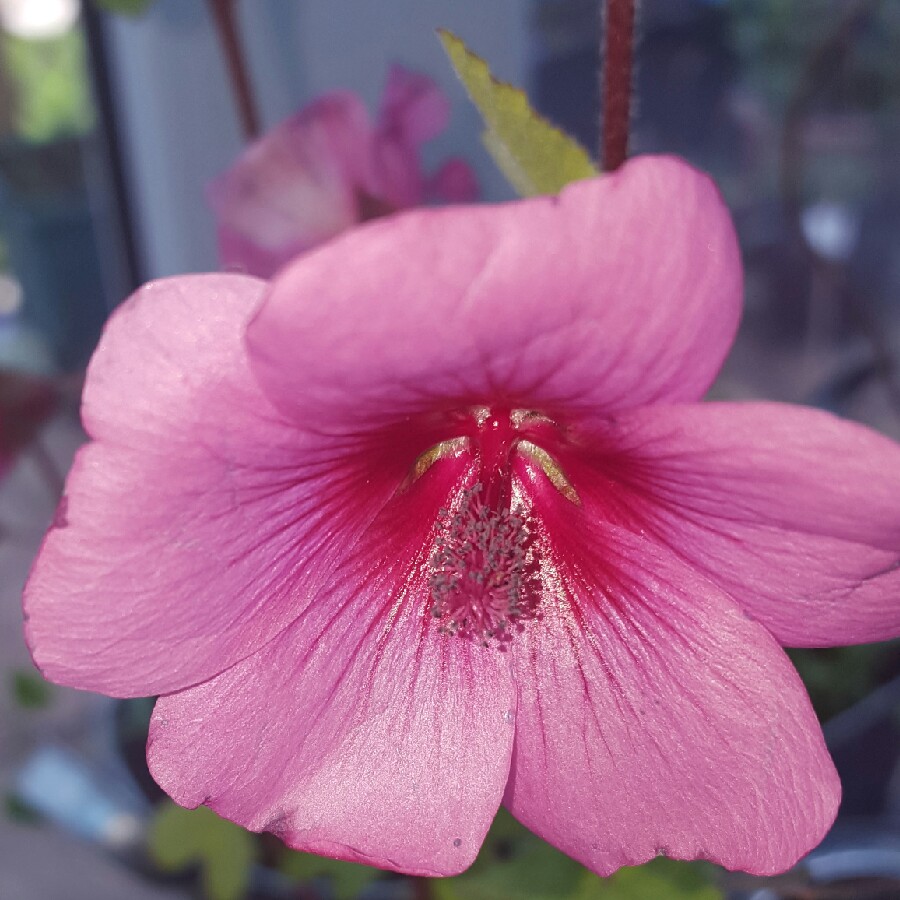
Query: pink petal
[(413, 109), (398, 180), (239, 253), (296, 186), (200, 522), (454, 182), (623, 291), (361, 732), (654, 718), (793, 512)]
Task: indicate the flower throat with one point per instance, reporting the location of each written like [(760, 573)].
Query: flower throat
[(483, 575)]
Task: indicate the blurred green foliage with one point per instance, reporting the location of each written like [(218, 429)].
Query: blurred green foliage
[(663, 878), (225, 852), (345, 879), (127, 7), (30, 690), (514, 863), (48, 83), (19, 812), (838, 677)]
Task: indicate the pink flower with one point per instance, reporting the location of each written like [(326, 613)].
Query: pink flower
[(328, 168), (435, 521)]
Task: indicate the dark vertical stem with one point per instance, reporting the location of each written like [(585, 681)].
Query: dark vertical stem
[(226, 25), (421, 888), (617, 61)]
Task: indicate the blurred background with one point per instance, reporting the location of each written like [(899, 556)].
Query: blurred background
[(114, 117)]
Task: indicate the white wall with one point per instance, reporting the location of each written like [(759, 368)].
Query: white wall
[(179, 122)]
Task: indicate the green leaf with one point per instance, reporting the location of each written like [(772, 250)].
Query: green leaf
[(30, 691), (128, 7), (224, 851), (347, 879), (661, 877), (534, 155)]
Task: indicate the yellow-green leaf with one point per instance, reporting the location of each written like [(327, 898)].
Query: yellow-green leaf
[(224, 851), (534, 155)]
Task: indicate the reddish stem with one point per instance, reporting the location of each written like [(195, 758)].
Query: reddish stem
[(227, 27), (421, 888), (618, 53)]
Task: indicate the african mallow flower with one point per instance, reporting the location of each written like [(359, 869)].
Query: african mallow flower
[(434, 522), (329, 167)]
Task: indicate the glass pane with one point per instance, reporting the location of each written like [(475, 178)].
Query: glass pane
[(50, 190)]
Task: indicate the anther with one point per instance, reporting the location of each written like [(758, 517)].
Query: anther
[(483, 576)]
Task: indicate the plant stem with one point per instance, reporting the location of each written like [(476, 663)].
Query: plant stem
[(617, 56), (227, 28), (421, 888)]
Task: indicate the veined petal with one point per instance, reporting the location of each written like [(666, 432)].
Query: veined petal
[(625, 290), (361, 732), (793, 512), (655, 718), (200, 522)]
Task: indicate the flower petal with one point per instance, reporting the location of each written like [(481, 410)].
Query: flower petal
[(454, 182), (200, 522), (296, 186), (361, 732), (414, 109), (793, 512), (622, 291), (654, 718)]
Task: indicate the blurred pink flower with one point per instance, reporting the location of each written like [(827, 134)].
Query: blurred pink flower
[(435, 521), (328, 168)]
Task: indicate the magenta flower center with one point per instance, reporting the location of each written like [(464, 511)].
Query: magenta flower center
[(484, 571)]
